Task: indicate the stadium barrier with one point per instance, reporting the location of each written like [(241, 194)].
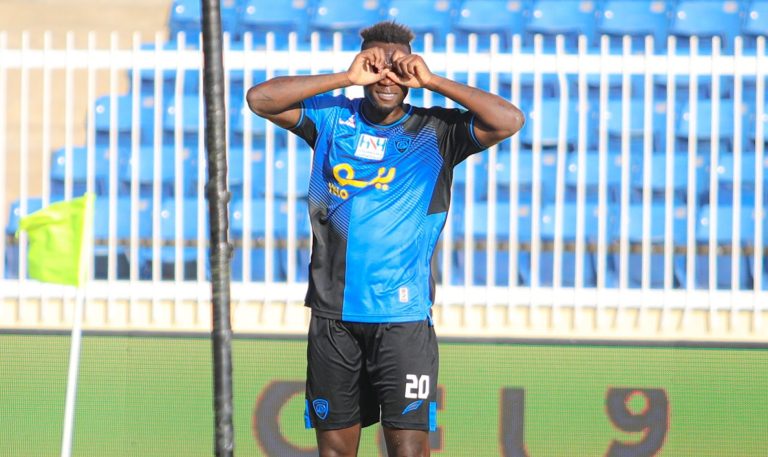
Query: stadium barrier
[(552, 232)]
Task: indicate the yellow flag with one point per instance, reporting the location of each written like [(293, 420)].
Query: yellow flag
[(59, 241)]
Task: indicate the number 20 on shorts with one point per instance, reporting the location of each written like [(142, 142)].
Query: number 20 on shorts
[(416, 386)]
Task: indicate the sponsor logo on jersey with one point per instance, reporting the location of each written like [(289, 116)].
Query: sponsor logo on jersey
[(321, 407), (348, 122), (370, 147), (413, 406), (344, 175)]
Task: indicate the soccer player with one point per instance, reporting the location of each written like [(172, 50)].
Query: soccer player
[(379, 192)]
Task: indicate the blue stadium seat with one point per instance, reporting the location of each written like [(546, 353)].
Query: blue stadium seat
[(480, 236), (706, 19), (186, 16), (636, 19), (524, 169), (704, 126), (191, 78), (591, 225), (679, 185), (615, 124), (256, 161), (423, 17), (592, 178), (727, 179), (190, 122), (569, 18), (754, 118), (723, 236), (280, 17), (78, 171), (258, 234), (167, 173), (345, 17), (479, 181), (257, 129), (657, 237), (549, 119), (102, 115), (302, 171), (168, 238), (755, 24), (15, 214), (120, 211), (547, 175), (488, 17)]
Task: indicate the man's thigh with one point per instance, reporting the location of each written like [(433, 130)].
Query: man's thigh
[(403, 369), (338, 393)]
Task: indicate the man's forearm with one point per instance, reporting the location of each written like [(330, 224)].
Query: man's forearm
[(493, 111), (278, 94)]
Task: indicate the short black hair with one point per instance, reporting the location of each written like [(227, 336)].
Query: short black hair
[(387, 32)]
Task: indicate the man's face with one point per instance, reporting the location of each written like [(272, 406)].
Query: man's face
[(386, 95)]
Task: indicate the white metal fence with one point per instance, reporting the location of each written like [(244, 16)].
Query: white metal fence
[(565, 215)]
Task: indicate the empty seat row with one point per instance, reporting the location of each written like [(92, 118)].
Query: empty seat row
[(593, 176), (704, 18), (592, 227), (170, 172), (126, 231)]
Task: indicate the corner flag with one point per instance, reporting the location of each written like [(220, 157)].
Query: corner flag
[(59, 239)]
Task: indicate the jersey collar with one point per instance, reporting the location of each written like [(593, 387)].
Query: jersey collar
[(409, 109)]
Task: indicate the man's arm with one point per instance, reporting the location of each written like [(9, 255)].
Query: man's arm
[(278, 100), (497, 119)]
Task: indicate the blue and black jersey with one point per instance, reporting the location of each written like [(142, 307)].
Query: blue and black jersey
[(378, 198)]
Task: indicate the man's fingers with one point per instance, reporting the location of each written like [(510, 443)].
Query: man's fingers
[(402, 67)]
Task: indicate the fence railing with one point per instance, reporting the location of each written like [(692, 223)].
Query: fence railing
[(637, 183)]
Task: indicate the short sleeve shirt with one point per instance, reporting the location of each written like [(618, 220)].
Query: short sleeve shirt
[(378, 201)]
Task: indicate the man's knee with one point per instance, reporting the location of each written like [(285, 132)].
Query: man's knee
[(338, 443), (406, 443)]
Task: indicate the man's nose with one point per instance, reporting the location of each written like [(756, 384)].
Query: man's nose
[(386, 82)]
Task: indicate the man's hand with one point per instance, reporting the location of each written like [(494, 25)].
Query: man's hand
[(370, 66), (409, 70)]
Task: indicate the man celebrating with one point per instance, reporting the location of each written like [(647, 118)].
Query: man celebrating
[(379, 193)]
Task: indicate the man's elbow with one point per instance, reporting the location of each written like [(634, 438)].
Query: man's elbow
[(515, 120), (257, 102)]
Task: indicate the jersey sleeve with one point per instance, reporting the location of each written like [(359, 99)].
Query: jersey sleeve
[(316, 113), (458, 136)]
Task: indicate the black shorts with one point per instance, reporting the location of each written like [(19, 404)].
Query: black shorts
[(360, 373)]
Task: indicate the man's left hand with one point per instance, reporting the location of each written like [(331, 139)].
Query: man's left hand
[(409, 70)]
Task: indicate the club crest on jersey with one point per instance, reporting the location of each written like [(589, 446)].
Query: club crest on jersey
[(321, 408), (348, 122), (370, 147), (402, 144)]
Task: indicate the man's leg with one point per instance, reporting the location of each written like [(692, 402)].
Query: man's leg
[(406, 443), (339, 443)]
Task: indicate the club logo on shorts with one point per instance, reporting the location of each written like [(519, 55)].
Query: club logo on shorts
[(413, 406), (321, 408)]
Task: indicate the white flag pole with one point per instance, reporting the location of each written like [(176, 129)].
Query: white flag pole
[(74, 365), (86, 256)]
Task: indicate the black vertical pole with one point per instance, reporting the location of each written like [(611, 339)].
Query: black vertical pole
[(218, 197)]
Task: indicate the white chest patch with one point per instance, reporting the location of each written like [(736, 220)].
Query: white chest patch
[(370, 147)]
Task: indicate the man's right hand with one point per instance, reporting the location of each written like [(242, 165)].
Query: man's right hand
[(370, 66)]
